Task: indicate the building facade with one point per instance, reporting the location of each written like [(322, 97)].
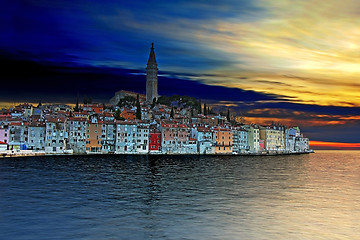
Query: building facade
[(142, 138), (223, 141), (126, 136), (76, 128), (36, 136), (108, 136), (93, 136), (55, 135)]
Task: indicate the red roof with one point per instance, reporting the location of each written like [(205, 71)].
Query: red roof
[(19, 123), (3, 143), (55, 119), (203, 129), (125, 122), (78, 119), (222, 129)]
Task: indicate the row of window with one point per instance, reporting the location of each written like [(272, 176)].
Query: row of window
[(222, 137)]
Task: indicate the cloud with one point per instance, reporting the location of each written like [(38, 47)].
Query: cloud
[(318, 45)]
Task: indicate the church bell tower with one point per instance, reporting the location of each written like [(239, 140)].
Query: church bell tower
[(151, 77)]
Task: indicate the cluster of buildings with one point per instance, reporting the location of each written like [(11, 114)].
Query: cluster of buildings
[(145, 128), (56, 129)]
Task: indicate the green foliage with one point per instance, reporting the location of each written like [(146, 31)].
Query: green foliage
[(77, 108), (180, 101), (228, 115), (199, 107), (153, 103), (138, 108), (172, 113), (127, 101), (117, 114), (205, 109)]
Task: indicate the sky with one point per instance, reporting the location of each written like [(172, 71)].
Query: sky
[(294, 62)]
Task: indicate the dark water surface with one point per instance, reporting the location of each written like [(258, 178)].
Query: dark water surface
[(314, 196)]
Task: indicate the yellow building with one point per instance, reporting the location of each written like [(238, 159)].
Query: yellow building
[(223, 141), (274, 138)]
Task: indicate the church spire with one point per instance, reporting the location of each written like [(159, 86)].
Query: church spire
[(151, 77), (152, 59)]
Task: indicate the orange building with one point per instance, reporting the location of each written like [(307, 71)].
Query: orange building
[(223, 141), (93, 136), (128, 114), (94, 108)]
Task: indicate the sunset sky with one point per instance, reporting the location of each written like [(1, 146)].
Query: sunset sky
[(296, 62)]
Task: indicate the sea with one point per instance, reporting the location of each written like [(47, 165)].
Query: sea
[(308, 196)]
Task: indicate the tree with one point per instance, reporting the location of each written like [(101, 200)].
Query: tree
[(39, 105), (192, 112), (228, 115), (76, 108), (205, 109), (199, 107), (153, 103), (117, 114), (127, 101), (172, 113), (138, 108)]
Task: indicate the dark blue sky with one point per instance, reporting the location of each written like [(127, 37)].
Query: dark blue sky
[(250, 55)]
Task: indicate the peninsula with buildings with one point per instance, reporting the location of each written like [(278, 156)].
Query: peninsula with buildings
[(133, 123)]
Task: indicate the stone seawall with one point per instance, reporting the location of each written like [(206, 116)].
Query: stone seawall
[(29, 153)]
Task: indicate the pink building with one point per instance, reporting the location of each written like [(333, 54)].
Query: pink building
[(4, 134), (261, 145), (174, 136)]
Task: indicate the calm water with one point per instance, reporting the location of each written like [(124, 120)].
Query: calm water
[(314, 196)]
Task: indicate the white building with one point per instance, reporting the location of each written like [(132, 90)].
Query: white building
[(240, 140), (108, 136), (76, 128), (36, 136), (55, 135), (205, 140), (126, 136), (142, 138), (253, 138)]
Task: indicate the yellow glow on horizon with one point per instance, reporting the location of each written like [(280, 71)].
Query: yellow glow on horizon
[(334, 144)]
